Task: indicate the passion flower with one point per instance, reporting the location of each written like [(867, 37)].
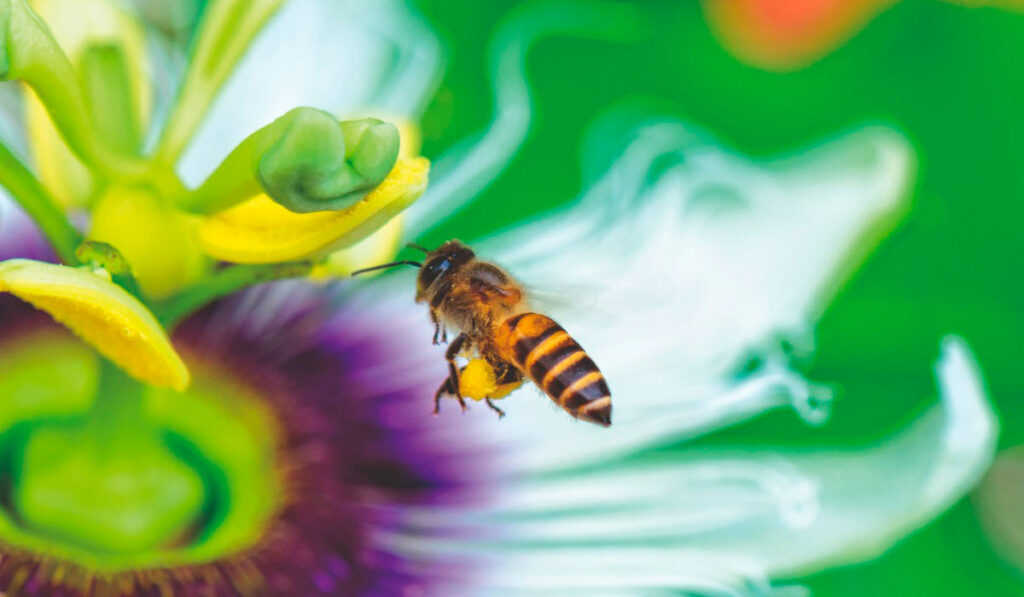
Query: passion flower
[(169, 430)]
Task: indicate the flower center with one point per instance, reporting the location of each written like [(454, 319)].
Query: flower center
[(111, 475)]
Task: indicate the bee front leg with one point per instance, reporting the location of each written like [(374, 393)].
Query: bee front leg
[(437, 326), (451, 385)]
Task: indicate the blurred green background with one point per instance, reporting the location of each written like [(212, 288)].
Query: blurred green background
[(951, 78)]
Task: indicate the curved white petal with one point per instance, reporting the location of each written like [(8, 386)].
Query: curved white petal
[(727, 253), (345, 57), (716, 521), (872, 498), (683, 261), (675, 276)]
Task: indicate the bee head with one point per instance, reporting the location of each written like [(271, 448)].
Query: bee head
[(439, 265)]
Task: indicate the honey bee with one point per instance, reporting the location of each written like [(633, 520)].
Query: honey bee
[(489, 309)]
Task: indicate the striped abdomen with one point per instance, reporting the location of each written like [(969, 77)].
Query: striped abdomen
[(546, 354)]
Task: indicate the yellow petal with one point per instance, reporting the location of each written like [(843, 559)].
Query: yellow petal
[(76, 24), (379, 247), (103, 314), (261, 231)]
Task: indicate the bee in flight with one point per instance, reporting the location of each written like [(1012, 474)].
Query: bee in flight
[(489, 310)]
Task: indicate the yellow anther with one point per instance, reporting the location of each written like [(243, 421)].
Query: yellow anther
[(101, 313), (261, 231)]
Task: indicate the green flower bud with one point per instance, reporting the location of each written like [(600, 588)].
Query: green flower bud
[(315, 163), (306, 161)]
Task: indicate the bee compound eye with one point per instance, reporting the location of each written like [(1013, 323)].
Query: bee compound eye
[(435, 269)]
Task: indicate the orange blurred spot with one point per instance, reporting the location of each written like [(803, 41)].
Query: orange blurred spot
[(787, 34)]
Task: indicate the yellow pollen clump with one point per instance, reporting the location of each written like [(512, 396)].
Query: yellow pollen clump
[(479, 381)]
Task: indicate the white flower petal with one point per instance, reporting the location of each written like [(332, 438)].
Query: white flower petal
[(345, 57), (683, 261), (872, 498), (715, 521), (676, 276), (679, 274), (727, 253)]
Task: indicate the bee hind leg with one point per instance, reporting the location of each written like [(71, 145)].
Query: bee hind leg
[(501, 413), (451, 385), (447, 389)]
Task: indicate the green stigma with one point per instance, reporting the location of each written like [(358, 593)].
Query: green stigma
[(113, 475)]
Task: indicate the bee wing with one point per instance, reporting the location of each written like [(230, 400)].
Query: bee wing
[(557, 298)]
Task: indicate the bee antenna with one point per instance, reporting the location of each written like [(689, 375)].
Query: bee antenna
[(386, 265), (418, 247)]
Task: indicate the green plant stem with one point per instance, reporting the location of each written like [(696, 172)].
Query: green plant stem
[(118, 414), (28, 192), (107, 87), (31, 54), (227, 30), (224, 282)]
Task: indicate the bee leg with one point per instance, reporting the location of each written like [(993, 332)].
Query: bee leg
[(507, 374), (448, 388), (454, 390), (445, 388), (453, 372), (437, 325), (500, 412)]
